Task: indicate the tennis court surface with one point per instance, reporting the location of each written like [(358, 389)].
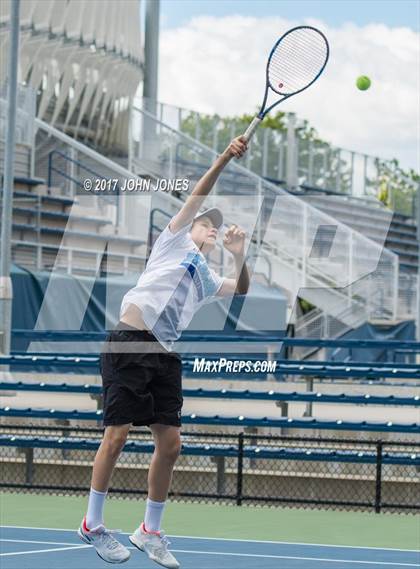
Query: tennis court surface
[(41, 548), (288, 539)]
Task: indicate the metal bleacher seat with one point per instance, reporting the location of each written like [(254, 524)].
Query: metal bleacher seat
[(386, 372), (244, 394), (227, 421), (284, 367), (217, 449)]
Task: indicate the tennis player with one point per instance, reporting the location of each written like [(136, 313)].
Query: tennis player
[(141, 373)]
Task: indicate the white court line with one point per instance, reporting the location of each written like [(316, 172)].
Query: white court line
[(240, 540), (36, 541), (253, 555), (43, 550), (296, 543), (224, 554), (381, 563)]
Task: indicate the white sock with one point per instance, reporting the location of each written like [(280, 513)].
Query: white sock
[(153, 515), (95, 511)]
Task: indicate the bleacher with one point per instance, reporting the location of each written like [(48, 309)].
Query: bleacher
[(369, 219), (296, 396), (240, 443), (45, 236)]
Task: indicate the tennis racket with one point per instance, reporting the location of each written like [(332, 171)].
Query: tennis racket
[(296, 61)]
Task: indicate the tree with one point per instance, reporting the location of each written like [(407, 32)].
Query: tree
[(319, 163)]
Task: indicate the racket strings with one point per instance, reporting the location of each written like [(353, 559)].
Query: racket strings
[(295, 70), (292, 76), (297, 60), (305, 50), (313, 55), (313, 59)]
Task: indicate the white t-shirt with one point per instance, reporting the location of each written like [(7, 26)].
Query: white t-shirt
[(176, 282)]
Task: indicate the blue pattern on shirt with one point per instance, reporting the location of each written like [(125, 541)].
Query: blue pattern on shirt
[(199, 270)]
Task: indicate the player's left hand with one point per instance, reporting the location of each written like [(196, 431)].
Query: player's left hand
[(234, 240)]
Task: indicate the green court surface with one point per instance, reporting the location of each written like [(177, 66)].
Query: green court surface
[(211, 520)]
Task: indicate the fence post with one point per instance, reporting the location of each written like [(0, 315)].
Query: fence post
[(260, 198), (73, 185), (215, 141), (49, 178), (352, 192), (29, 465), (264, 154), (280, 168), (309, 387), (304, 242), (396, 283), (220, 462), (364, 174), (378, 489), (239, 481), (292, 159), (310, 175), (38, 233)]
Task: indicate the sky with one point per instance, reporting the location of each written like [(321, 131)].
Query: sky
[(175, 13), (213, 54)]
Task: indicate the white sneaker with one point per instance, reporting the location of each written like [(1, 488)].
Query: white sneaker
[(155, 544), (107, 547)]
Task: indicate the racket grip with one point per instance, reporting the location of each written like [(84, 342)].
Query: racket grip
[(251, 129)]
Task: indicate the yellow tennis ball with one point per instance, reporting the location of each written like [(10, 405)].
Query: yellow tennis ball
[(363, 82)]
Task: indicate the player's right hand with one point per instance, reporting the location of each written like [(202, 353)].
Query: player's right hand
[(237, 147)]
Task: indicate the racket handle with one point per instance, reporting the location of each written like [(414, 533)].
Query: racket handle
[(251, 129)]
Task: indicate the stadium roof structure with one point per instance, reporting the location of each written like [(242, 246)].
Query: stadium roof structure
[(84, 60)]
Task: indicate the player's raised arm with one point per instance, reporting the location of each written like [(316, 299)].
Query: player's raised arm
[(236, 149)]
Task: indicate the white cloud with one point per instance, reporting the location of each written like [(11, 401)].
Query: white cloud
[(218, 64)]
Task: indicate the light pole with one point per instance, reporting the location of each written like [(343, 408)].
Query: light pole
[(418, 264), (150, 79), (6, 292)]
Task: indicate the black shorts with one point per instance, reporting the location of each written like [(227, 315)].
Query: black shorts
[(142, 382)]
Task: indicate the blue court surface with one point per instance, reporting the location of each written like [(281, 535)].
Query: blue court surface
[(36, 548)]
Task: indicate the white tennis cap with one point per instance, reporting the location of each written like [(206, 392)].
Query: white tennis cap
[(214, 214)]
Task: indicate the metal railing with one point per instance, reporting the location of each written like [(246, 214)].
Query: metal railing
[(313, 162), (78, 163), (343, 283), (408, 298)]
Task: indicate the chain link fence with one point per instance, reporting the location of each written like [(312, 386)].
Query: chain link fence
[(239, 468)]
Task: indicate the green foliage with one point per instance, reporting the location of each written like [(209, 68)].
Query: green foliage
[(305, 305), (320, 164), (397, 188)]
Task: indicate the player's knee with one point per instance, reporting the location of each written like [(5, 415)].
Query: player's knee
[(115, 440), (170, 449)]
